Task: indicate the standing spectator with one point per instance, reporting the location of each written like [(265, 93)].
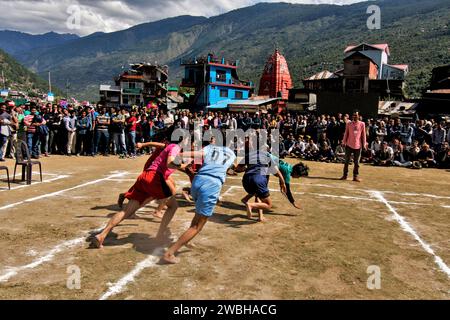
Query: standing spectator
[(83, 127), (70, 122), (5, 131), (406, 133), (117, 128), (333, 132), (438, 137), (354, 141), (40, 131), (131, 134), (13, 126), (54, 120), (101, 143)]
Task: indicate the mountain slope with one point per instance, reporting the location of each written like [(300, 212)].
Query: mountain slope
[(312, 37), (14, 42), (20, 78)]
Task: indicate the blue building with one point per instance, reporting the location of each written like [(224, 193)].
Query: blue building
[(214, 81)]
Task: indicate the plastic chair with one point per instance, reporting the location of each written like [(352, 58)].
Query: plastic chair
[(7, 175), (23, 159)]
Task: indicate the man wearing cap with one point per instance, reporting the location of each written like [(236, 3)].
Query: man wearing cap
[(354, 141)]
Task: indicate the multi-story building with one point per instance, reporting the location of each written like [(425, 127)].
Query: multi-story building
[(213, 80), (142, 84), (366, 79)]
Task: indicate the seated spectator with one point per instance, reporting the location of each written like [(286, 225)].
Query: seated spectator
[(413, 151), (326, 154), (384, 156), (299, 148), (443, 157), (399, 157), (340, 153), (366, 156), (426, 157), (375, 146), (311, 150)]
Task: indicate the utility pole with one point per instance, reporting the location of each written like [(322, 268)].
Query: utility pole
[(49, 82), (4, 80)]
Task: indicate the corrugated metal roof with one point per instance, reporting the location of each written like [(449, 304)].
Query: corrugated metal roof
[(381, 46), (323, 75)]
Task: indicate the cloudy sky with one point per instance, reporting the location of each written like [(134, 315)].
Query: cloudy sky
[(87, 16)]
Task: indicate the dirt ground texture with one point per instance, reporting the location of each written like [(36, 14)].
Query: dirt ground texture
[(396, 219)]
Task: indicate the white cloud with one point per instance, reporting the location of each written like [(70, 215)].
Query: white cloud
[(42, 16)]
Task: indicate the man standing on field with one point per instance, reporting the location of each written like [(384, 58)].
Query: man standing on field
[(354, 141)]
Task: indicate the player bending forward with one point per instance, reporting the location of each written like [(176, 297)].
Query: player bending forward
[(206, 188)]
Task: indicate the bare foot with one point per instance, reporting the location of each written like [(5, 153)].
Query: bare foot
[(191, 246), (97, 242), (158, 214), (262, 219), (170, 259), (249, 210), (186, 196)]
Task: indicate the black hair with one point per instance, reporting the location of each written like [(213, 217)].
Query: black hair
[(301, 170)]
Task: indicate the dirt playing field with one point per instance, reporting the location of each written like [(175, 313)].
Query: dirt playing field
[(396, 219)]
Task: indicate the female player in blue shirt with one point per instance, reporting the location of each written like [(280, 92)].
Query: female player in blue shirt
[(206, 188)]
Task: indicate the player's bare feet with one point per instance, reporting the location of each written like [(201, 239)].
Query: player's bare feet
[(191, 246), (356, 179), (170, 259), (158, 214), (186, 196), (249, 210), (97, 242), (262, 219)]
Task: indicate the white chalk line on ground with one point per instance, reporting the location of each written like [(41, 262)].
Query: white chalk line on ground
[(57, 193), (121, 285), (337, 197), (45, 257), (334, 186), (56, 178), (409, 229), (35, 173)]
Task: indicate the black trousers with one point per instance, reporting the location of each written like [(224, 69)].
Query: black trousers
[(349, 152)]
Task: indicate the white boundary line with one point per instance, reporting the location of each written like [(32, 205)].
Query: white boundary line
[(46, 257), (57, 193), (333, 186), (35, 183), (120, 285), (408, 229), (334, 197)]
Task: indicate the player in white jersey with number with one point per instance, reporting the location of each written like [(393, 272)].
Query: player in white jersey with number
[(205, 190)]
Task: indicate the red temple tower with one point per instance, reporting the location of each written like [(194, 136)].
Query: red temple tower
[(276, 79)]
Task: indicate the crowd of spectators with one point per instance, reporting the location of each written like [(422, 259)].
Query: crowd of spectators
[(91, 131)]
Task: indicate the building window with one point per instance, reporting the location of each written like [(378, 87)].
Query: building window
[(356, 62), (238, 95), (224, 93), (221, 76)]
